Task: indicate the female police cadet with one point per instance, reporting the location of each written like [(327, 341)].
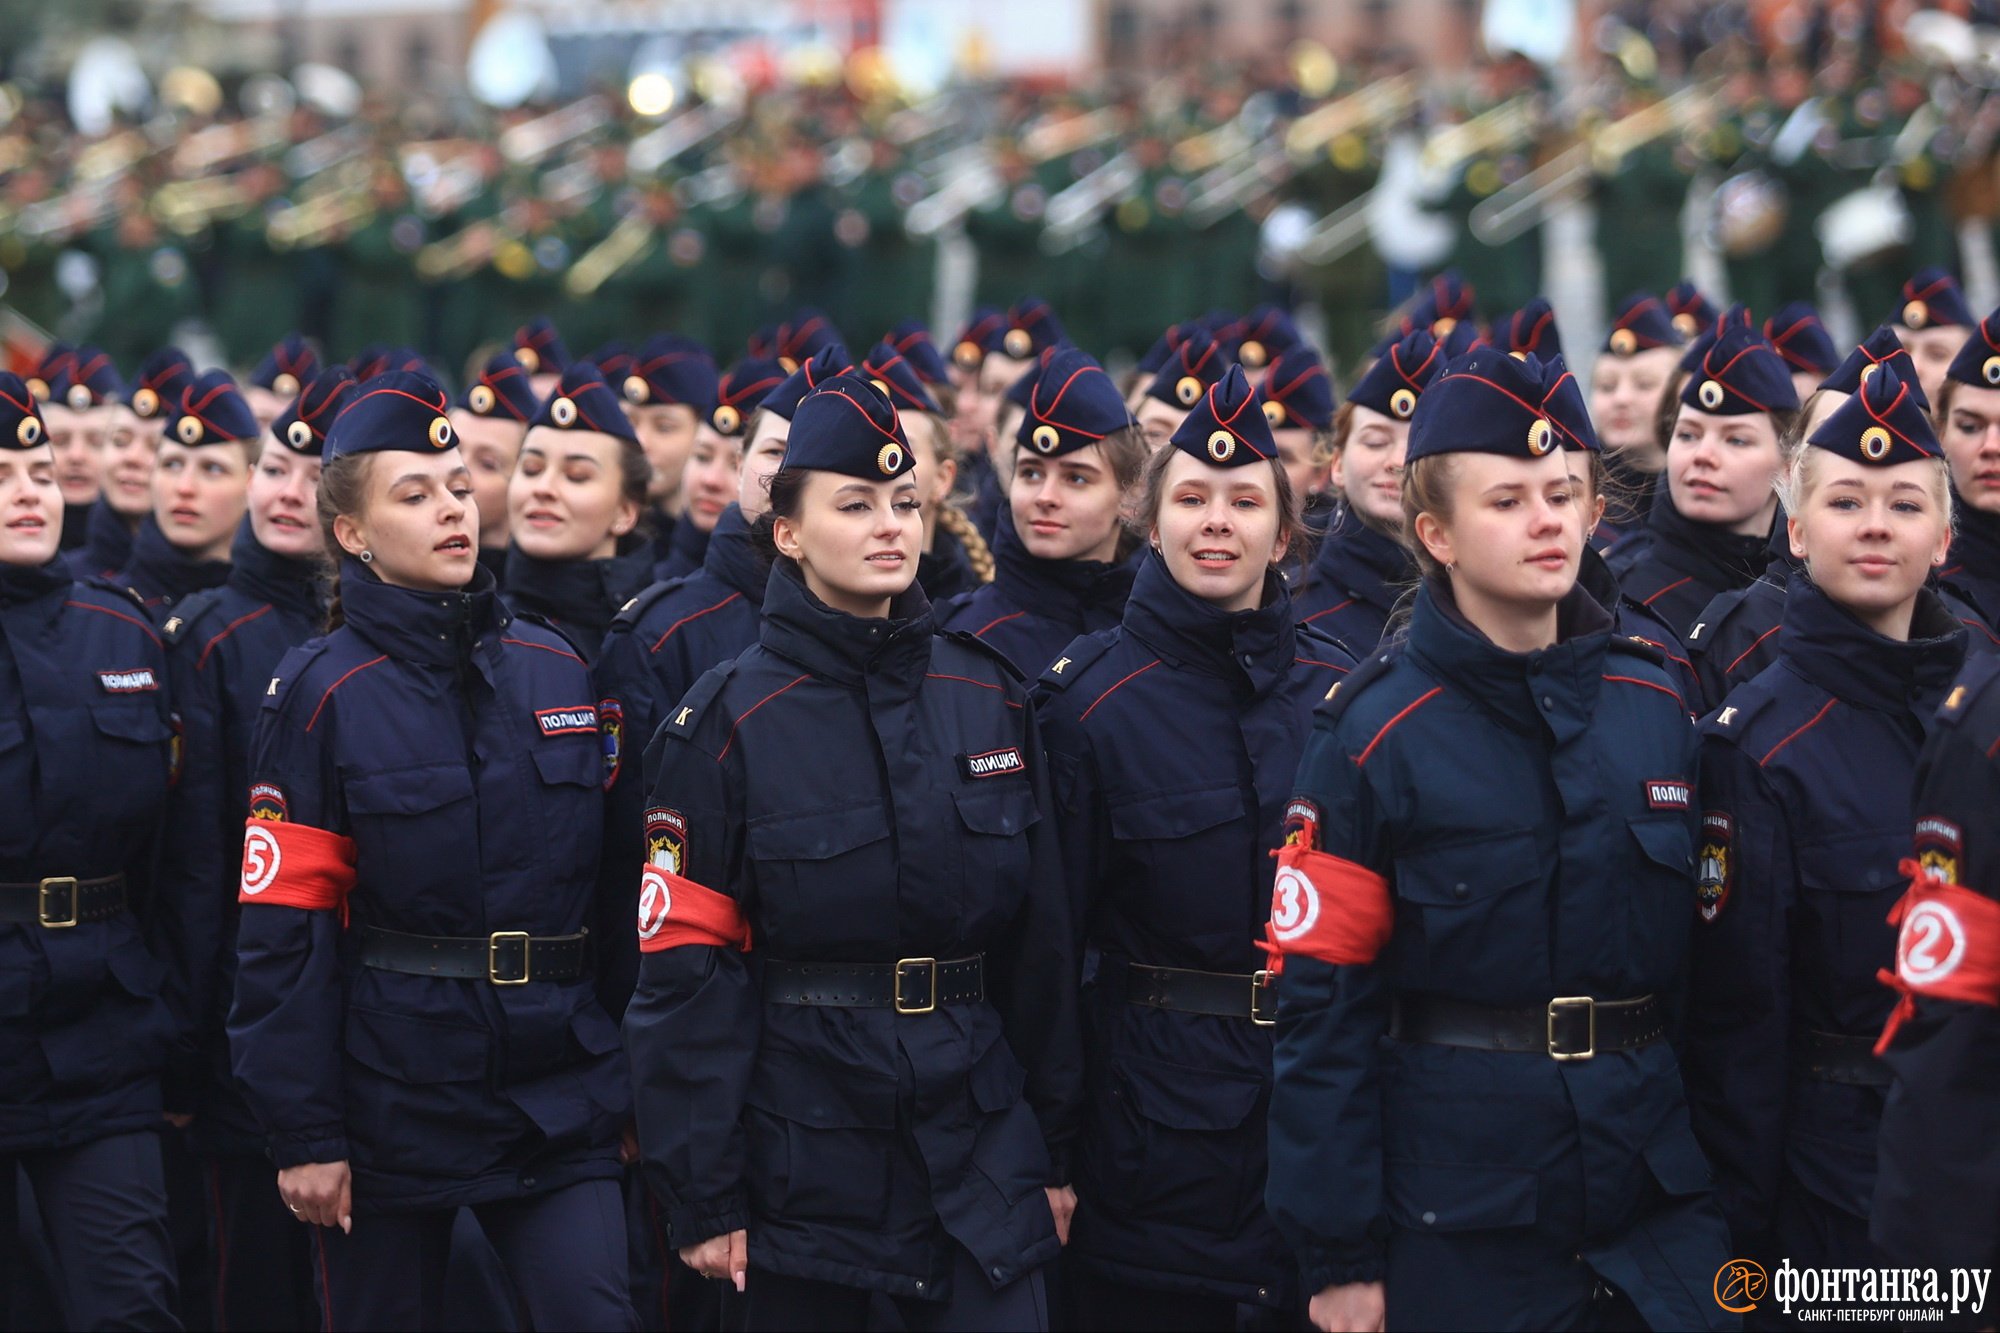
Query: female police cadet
[(1362, 566), (86, 757), (201, 481), (224, 646), (491, 420), (1806, 774), (414, 1019), (1057, 567), (1630, 374), (1968, 416), (1296, 394), (853, 1038), (1710, 526), (578, 491), (671, 388), (131, 444), (1167, 832), (1492, 873)]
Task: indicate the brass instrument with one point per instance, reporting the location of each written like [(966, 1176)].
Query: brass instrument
[(186, 207), (320, 220), (1498, 129), (628, 241), (969, 182), (1073, 211), (690, 129), (1360, 112), (1523, 204), (533, 140), (206, 149), (1051, 137)]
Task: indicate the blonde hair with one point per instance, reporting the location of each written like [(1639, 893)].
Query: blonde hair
[(1794, 484)]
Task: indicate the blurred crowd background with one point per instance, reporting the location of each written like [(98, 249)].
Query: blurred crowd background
[(432, 173)]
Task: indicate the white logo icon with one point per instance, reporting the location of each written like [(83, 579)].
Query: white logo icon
[(1294, 905), (260, 860), (656, 902), (1932, 944)]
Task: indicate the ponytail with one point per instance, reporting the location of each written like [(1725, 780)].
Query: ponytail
[(343, 489)]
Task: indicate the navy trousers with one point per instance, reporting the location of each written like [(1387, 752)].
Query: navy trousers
[(103, 1207)]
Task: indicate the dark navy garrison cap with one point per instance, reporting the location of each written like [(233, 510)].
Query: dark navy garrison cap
[(51, 365), (397, 410), (1442, 306), (501, 391), (1264, 335), (1073, 405), (1691, 313), (1485, 402), (892, 373), (1641, 324), (1297, 393), (1740, 374), (213, 412), (1882, 425), (1164, 347), (1931, 298), (1737, 316), (21, 424), (1227, 426), (1188, 371), (1461, 338), (847, 425), (372, 361), (163, 378), (1978, 361), (287, 366), (912, 338), (85, 380), (804, 334), (302, 426), (762, 344), (1564, 406), (1031, 328), (822, 366), (614, 361), (1529, 331), (539, 348), (1880, 348), (1801, 338), (741, 391), (986, 325), (672, 369), (1023, 388), (583, 401), (1400, 376)]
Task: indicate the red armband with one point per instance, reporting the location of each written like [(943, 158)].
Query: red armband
[(674, 911), (1948, 947), (296, 865), (1326, 908)]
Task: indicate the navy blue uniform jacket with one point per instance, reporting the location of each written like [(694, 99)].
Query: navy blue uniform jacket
[(1034, 607)]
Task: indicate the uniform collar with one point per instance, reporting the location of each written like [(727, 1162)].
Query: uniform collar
[(585, 593), (1714, 555), (1082, 594), (265, 576), (842, 647), (1828, 646), (1513, 686), (1975, 548), (436, 628), (106, 539), (689, 544), (21, 584), (1252, 648), (732, 556), (166, 570), (1353, 547)]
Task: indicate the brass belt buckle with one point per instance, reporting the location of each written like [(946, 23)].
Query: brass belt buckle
[(493, 943), (928, 963), (1556, 1006), (1260, 987), (52, 890)]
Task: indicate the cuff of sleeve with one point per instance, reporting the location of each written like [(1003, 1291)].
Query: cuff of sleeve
[(692, 1223), (1058, 1165), (1336, 1265), (318, 1143)]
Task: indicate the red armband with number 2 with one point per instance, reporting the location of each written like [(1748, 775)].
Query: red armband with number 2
[(1948, 947), (674, 910), (296, 865), (1327, 908)]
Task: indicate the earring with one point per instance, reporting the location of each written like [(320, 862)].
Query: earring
[(1451, 566), (367, 557)]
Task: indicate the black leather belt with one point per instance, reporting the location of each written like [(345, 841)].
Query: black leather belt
[(1566, 1028), (505, 958), (61, 901), (1834, 1057), (1223, 994), (908, 985)]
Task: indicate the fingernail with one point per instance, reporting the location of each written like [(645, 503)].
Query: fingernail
[(739, 1281)]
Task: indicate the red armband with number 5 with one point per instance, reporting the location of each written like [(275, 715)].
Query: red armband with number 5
[(1326, 908), (295, 865)]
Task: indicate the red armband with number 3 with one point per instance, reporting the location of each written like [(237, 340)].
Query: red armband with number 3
[(1948, 947), (295, 865), (674, 910), (1326, 908)]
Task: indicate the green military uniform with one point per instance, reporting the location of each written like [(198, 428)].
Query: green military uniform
[(1788, 269), (729, 298), (256, 301), (30, 270), (888, 273), (1150, 265), (148, 288), (1506, 276), (1639, 202), (379, 301), (1007, 233), (1353, 291)]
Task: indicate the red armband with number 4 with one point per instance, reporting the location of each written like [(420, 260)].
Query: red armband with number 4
[(1948, 947), (674, 910), (295, 865), (1326, 908)]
